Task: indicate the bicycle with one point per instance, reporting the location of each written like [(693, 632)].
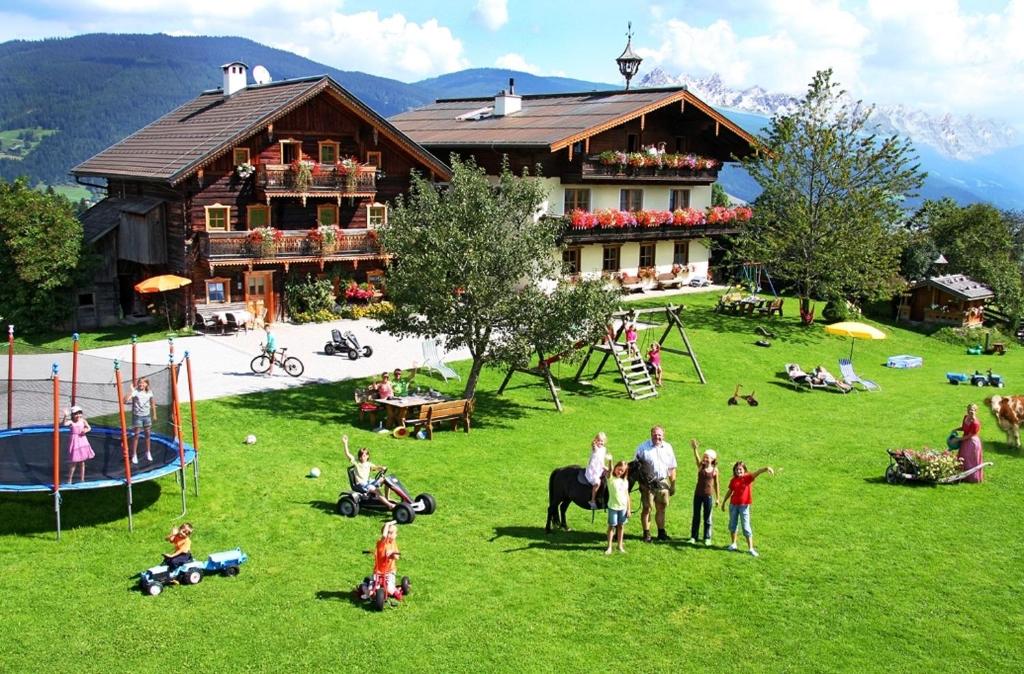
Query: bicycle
[(261, 363)]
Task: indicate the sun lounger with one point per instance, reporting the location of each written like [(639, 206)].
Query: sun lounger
[(432, 360), (799, 378), (851, 378)]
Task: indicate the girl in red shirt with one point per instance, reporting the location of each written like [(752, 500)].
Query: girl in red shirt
[(740, 487)]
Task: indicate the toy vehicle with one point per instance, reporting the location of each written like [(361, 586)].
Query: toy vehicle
[(374, 589), (153, 580), (987, 379), (957, 378), (346, 343), (351, 502), (700, 282)]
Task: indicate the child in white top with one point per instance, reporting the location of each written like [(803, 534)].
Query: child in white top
[(364, 467), (597, 466)]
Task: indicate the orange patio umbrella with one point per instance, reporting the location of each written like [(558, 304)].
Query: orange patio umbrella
[(161, 284)]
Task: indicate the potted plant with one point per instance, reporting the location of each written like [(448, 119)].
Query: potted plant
[(244, 170), (323, 238), (348, 168), (263, 241), (303, 175)]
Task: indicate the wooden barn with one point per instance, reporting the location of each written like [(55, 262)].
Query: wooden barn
[(953, 299)]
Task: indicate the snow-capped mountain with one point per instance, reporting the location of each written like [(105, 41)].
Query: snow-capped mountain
[(963, 138)]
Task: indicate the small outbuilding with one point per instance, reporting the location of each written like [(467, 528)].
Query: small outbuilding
[(953, 299)]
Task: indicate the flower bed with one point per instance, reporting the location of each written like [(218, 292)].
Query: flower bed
[(682, 217), (636, 160), (263, 241), (929, 464)]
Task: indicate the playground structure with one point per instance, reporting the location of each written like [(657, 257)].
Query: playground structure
[(33, 444)]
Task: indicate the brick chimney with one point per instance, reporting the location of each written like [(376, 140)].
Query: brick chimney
[(234, 77)]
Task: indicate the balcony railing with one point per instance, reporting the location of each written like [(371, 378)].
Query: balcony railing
[(295, 243), (592, 169), (321, 178)]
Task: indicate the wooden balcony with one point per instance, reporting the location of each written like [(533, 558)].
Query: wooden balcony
[(235, 248), (577, 237), (280, 180), (593, 171)]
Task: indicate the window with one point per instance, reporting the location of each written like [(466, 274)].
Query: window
[(681, 252), (376, 215), (576, 198), (241, 155), (632, 142), (327, 214), (681, 144), (571, 260), (374, 159), (86, 299), (577, 147), (218, 290), (610, 258), (678, 199), (328, 152), (218, 218), (646, 254), (291, 151), (631, 200), (257, 215)]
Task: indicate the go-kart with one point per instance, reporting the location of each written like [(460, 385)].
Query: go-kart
[(153, 580), (374, 589), (406, 509), (987, 379), (346, 343), (700, 282)]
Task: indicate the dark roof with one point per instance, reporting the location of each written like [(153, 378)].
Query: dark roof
[(106, 215), (960, 286), (553, 121), (182, 141)]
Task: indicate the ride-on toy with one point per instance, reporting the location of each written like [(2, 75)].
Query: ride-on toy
[(346, 343), (374, 589), (351, 502), (987, 379), (153, 580)]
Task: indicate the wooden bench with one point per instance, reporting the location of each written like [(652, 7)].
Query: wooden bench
[(668, 280), (454, 411), (771, 308), (631, 284)]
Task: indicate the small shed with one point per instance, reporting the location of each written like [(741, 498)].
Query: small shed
[(953, 299)]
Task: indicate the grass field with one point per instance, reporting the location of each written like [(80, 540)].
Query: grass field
[(855, 574), (73, 193)]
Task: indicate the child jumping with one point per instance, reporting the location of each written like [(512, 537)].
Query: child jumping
[(597, 466), (654, 361), (363, 470), (181, 539), (705, 494), (620, 509), (740, 487), (79, 448)]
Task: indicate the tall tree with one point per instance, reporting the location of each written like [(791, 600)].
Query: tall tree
[(832, 197), (475, 265), (40, 250)]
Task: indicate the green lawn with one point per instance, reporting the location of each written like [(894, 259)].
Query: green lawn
[(72, 192), (150, 331), (855, 574)]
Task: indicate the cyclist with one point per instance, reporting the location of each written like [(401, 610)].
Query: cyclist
[(271, 348)]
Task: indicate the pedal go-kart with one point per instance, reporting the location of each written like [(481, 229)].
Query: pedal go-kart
[(347, 344), (351, 502), (153, 580), (374, 589)]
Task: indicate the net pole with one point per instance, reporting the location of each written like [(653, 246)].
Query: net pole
[(176, 421), (10, 374), (124, 441), (170, 346), (195, 422), (135, 361), (56, 445), (74, 366)]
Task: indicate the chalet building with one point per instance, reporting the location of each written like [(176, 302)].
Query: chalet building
[(629, 171), (952, 299), (241, 187)]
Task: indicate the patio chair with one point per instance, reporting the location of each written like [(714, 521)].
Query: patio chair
[(204, 324), (851, 378), (432, 360), (364, 399), (800, 378), (233, 324)]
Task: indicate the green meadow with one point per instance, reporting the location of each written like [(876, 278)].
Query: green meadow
[(854, 574)]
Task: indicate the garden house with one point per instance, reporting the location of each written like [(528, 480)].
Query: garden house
[(953, 299)]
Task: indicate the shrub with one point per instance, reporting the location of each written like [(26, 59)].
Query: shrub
[(309, 296), (321, 316), (972, 336)]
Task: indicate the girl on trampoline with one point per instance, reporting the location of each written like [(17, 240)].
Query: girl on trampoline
[(143, 416), (79, 447)]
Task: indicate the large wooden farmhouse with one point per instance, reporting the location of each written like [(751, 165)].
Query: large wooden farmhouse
[(241, 187), (629, 170)]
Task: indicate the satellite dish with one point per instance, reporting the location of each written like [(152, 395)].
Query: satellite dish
[(260, 75)]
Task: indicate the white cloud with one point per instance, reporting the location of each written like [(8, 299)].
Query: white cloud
[(493, 14), (513, 61)]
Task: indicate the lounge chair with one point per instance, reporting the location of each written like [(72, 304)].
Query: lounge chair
[(432, 360), (801, 378), (851, 378), (829, 379)]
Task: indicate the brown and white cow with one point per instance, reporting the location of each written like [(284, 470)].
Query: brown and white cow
[(1009, 411)]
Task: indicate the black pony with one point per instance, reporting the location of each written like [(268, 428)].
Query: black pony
[(567, 485)]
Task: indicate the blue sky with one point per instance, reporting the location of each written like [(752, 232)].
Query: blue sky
[(962, 57)]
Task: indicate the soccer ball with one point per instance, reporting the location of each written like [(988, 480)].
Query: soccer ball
[(314, 472), (250, 439)]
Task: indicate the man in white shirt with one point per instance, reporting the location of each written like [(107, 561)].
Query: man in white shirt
[(662, 458)]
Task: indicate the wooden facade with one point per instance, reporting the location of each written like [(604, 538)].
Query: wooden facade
[(953, 300)]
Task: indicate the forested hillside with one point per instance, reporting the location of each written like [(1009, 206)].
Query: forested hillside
[(96, 89)]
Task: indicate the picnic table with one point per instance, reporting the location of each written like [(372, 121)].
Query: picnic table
[(399, 407)]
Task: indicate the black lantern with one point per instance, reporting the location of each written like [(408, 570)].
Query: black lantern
[(628, 62)]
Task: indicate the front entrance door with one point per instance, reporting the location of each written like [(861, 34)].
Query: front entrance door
[(259, 294)]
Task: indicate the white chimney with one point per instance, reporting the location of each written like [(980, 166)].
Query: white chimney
[(234, 77), (506, 102)]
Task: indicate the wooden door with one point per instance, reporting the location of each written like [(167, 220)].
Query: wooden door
[(259, 291)]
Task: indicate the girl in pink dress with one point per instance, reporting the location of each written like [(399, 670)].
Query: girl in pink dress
[(970, 444), (79, 448)]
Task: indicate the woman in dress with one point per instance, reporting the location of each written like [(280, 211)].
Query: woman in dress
[(79, 448), (970, 444)]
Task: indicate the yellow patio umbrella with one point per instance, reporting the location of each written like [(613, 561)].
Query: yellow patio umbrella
[(161, 284), (854, 331)]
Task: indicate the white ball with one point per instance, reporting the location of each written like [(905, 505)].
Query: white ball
[(314, 472), (250, 439)]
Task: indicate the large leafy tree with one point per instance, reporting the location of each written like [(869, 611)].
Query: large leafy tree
[(40, 251), (827, 218), (474, 264)]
